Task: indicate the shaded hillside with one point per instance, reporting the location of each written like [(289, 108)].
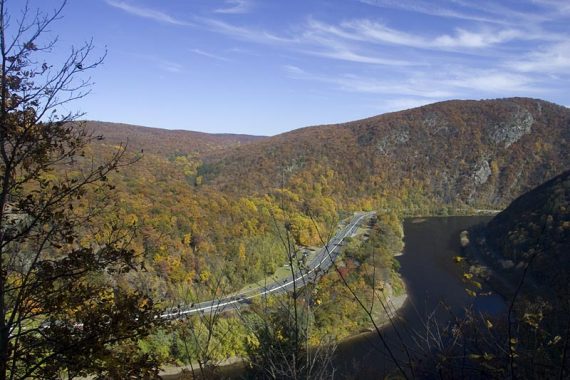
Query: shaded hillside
[(535, 229), (166, 142), (474, 152), (524, 252)]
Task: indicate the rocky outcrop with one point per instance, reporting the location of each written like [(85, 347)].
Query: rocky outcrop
[(481, 153), (513, 128), (392, 140), (482, 173)]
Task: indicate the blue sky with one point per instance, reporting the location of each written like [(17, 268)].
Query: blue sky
[(268, 66)]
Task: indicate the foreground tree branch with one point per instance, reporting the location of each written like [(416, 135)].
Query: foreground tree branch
[(61, 310)]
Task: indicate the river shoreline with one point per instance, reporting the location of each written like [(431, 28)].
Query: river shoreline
[(486, 267), (431, 278), (435, 289), (236, 363)]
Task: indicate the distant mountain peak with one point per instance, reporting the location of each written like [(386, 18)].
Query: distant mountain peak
[(164, 141), (483, 152)]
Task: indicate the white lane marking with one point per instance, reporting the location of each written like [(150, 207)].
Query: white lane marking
[(270, 290)]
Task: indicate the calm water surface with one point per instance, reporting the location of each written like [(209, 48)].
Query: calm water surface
[(434, 283)]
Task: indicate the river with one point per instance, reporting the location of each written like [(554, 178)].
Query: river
[(433, 282)]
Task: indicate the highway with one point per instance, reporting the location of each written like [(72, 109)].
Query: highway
[(314, 269)]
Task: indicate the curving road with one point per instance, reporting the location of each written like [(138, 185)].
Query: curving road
[(319, 265)]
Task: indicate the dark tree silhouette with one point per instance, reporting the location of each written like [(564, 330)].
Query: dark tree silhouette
[(62, 310)]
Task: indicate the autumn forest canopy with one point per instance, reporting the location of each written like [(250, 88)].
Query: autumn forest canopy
[(106, 228)]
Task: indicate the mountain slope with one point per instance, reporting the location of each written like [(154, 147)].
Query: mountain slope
[(535, 229), (207, 206), (163, 141), (456, 152), (527, 249)]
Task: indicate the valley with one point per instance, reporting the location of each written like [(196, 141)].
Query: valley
[(299, 278), (162, 218), (435, 289), (200, 208), (297, 185), (239, 208), (209, 216)]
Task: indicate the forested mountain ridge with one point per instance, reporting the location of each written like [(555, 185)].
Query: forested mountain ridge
[(524, 254), (126, 248), (197, 241), (207, 206), (481, 153), (209, 211), (535, 229), (164, 141)]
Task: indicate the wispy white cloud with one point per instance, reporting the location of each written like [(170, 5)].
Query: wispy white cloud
[(235, 7), (148, 13), (562, 7), (430, 9), (243, 33), (168, 66), (490, 12), (335, 48), (308, 41), (209, 55), (554, 58), (483, 39), (479, 57), (408, 86), (489, 81), (427, 85), (370, 85), (345, 54), (501, 10), (399, 104), (294, 70), (357, 40), (375, 32), (160, 63)]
